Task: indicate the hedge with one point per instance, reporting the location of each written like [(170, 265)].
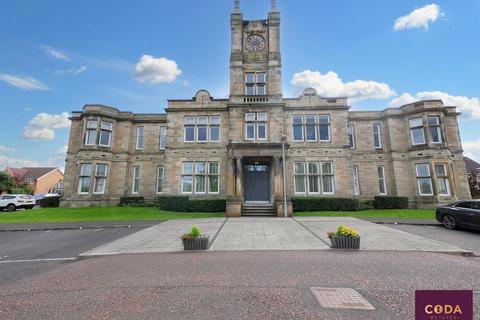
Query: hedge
[(325, 204), (390, 202), (184, 204), (131, 201), (49, 202)]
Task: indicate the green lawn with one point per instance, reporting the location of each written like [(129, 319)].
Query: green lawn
[(401, 214), (46, 215)]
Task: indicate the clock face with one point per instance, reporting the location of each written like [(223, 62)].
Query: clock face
[(255, 43)]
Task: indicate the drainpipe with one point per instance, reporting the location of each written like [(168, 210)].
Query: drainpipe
[(285, 208)]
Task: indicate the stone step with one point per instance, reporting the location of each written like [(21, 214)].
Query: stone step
[(258, 210)]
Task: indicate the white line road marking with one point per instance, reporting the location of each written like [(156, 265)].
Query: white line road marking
[(38, 260), (98, 229)]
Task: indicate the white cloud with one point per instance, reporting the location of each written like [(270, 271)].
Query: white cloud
[(6, 149), (14, 162), (42, 126), (73, 71), (62, 150), (156, 70), (21, 82), (55, 53), (419, 18), (331, 85), (470, 107), (471, 149)]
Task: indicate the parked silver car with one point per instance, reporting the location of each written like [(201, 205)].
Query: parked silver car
[(12, 202)]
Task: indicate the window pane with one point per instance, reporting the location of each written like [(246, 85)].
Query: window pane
[(202, 134), (250, 131), (311, 131), (187, 168), (200, 168), (323, 119), (213, 184), (250, 90), (163, 137), (140, 138), (213, 168), (297, 119), (160, 173), (327, 182), (435, 134), (91, 136), (215, 120), (327, 168), (250, 117), (351, 136), (159, 185), (313, 184), (92, 124), (299, 168), (100, 185), (425, 185), (310, 119), (262, 131), (380, 172), (101, 170), (418, 136), (433, 121), (417, 122), (298, 132), (300, 184), (189, 120), (423, 170), (250, 77), (136, 172), (105, 138), (189, 134), (324, 132), (106, 126), (261, 77), (187, 184), (356, 181), (261, 117), (85, 184), (202, 120), (442, 186), (214, 133), (313, 168), (261, 90), (86, 169), (440, 170), (200, 184)]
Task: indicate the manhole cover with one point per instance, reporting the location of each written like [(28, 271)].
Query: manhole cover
[(341, 298)]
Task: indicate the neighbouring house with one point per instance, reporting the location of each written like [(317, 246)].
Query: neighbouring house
[(42, 180), (473, 173), (256, 145)]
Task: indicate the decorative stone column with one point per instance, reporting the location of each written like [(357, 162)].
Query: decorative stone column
[(235, 187)]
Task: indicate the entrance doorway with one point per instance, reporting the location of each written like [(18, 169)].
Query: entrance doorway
[(257, 182)]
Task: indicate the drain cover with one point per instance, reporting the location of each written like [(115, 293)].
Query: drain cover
[(341, 298)]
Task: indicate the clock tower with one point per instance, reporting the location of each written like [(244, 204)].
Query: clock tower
[(255, 61)]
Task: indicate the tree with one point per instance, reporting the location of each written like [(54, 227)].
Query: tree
[(6, 182), (474, 183)]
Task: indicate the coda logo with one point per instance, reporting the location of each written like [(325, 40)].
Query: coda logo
[(444, 304)]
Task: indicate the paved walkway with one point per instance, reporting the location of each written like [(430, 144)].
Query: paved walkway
[(238, 234)]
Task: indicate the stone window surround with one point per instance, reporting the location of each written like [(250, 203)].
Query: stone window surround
[(92, 176), (206, 174), (98, 129), (427, 129), (426, 176), (255, 84), (209, 125), (317, 123), (256, 123), (434, 177), (320, 175)]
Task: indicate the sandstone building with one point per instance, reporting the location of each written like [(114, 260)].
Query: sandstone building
[(232, 148)]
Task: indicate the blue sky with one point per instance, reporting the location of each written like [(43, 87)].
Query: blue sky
[(56, 56)]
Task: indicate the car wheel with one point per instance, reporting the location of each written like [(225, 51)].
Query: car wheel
[(11, 207), (449, 222)]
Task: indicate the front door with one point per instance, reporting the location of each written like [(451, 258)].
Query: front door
[(257, 182)]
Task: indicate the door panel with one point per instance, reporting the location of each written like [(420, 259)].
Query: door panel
[(257, 182)]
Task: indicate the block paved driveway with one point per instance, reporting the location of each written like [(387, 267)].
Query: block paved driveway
[(248, 233)]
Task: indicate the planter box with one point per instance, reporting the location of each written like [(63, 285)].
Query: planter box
[(345, 242), (195, 244)]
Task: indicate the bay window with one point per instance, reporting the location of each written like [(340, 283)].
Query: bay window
[(416, 131), (101, 171), (84, 178), (443, 185), (105, 134), (435, 129), (424, 179), (91, 133)]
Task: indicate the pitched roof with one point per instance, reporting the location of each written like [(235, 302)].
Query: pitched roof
[(36, 172), (15, 172), (471, 165)]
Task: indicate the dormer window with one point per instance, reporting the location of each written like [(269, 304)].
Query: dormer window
[(255, 83)]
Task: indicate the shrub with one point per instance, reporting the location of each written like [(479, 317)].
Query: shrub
[(194, 233), (49, 202), (325, 204), (344, 231), (19, 191), (131, 201), (184, 204), (390, 202)]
